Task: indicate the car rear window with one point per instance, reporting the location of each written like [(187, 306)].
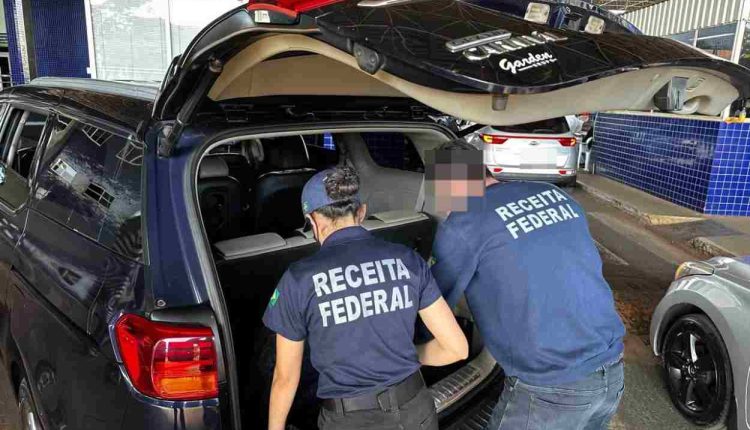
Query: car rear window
[(91, 182), (393, 150), (551, 126)]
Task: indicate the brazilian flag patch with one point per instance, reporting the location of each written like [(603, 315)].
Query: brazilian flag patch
[(431, 262), (274, 298)]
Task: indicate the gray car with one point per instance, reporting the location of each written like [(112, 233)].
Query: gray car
[(701, 329)]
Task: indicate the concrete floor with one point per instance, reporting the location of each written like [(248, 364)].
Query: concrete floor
[(639, 267)]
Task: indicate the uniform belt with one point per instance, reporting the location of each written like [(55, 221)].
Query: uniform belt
[(387, 400)]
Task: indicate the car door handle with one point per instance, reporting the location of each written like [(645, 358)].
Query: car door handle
[(2, 174)]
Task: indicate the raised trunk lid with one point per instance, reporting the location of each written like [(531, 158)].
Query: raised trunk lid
[(458, 57)]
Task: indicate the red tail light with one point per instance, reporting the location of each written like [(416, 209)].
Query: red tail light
[(568, 141), (288, 6), (167, 361), (499, 140), (494, 139)]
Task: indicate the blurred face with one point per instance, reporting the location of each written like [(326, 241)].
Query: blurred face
[(454, 176)]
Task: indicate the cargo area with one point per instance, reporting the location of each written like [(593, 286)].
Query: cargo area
[(249, 195)]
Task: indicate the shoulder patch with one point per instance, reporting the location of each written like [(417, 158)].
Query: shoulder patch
[(274, 298), (431, 262)]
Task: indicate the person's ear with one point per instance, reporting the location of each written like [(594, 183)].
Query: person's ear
[(313, 225), (361, 213)]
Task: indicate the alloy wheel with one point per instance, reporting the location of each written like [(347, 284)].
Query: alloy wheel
[(698, 370), (692, 372)]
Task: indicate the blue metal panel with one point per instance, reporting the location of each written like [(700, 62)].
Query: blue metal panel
[(668, 157), (60, 38), (14, 51)]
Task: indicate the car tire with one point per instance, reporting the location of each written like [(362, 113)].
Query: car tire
[(698, 370), (29, 418)]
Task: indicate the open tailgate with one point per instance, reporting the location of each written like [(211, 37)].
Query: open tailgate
[(458, 57)]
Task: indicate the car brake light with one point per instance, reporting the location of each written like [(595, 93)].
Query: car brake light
[(497, 169), (289, 8), (167, 361), (494, 139), (568, 141)]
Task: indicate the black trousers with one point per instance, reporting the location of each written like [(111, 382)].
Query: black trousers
[(416, 414)]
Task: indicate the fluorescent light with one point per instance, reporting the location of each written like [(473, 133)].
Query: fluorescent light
[(537, 12)]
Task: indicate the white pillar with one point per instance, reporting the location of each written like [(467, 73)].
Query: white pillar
[(90, 37)]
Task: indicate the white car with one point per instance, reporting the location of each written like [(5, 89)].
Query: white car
[(538, 151)]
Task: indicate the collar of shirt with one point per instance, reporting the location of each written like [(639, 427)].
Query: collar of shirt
[(346, 234)]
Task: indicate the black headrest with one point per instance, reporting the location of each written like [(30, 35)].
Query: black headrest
[(285, 153), (213, 167)]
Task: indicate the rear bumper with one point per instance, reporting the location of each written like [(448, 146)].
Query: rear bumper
[(474, 412), (545, 175)]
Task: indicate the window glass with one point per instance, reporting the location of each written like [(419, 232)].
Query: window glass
[(155, 32), (552, 125), (687, 37), (393, 150), (91, 182), (13, 118), (745, 53), (718, 41), (23, 152), (322, 150)]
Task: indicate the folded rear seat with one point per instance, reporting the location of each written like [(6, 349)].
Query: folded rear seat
[(250, 267), (413, 229)]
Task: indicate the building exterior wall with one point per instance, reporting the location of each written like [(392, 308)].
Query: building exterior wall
[(105, 39), (702, 164), (60, 38), (47, 39), (678, 16), (16, 41), (137, 39)]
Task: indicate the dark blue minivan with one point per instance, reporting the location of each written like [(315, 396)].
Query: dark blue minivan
[(143, 229)]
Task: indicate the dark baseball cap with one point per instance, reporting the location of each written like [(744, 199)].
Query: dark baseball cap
[(314, 195)]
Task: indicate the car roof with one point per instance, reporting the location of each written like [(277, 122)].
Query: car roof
[(125, 104), (146, 91)]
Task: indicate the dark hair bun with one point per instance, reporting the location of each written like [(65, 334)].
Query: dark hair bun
[(342, 183)]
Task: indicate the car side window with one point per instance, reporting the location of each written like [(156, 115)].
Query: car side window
[(322, 150), (90, 181), (20, 137), (393, 150)]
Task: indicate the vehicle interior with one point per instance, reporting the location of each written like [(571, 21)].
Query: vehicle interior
[(249, 194)]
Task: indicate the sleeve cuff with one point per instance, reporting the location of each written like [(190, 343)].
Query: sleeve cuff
[(287, 333)]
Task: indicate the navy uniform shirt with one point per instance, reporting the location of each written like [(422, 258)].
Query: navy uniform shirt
[(356, 303), (532, 276)]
